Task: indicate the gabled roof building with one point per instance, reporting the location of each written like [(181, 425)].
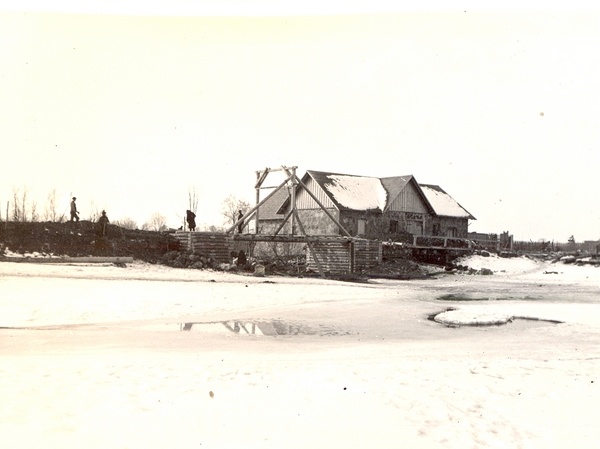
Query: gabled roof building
[(375, 208)]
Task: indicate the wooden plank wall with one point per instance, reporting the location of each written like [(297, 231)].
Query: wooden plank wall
[(334, 257), (209, 244), (367, 254), (343, 257)]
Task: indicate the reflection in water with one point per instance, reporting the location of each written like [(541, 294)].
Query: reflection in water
[(270, 328)]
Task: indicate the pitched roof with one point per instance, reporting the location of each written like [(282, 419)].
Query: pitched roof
[(394, 185), (269, 210), (350, 192), (443, 204)]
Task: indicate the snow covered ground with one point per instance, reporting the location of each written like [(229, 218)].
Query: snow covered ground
[(152, 357)]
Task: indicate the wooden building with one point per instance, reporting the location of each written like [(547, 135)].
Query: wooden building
[(450, 219), (391, 208)]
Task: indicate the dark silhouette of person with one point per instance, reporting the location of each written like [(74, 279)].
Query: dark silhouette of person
[(103, 224), (190, 217), (241, 223), (74, 211), (241, 258)]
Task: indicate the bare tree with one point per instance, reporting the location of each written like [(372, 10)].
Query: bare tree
[(24, 204), (126, 223), (34, 213), (231, 206), (213, 228), (193, 200), (156, 223), (51, 212), (94, 211), (18, 213)]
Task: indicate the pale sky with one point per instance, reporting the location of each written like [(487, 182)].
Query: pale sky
[(132, 108)]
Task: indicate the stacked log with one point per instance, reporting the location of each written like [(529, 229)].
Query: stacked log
[(344, 256), (217, 246), (367, 254), (334, 257)]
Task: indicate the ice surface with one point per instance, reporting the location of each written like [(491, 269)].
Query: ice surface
[(94, 356)]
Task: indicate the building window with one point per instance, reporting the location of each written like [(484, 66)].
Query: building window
[(362, 227), (393, 226)]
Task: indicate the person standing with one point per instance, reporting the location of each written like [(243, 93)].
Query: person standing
[(74, 211), (190, 217), (103, 224), (241, 223)]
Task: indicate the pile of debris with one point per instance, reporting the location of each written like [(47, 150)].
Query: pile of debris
[(580, 259)]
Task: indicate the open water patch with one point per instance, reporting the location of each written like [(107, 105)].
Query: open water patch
[(466, 297), (266, 328)]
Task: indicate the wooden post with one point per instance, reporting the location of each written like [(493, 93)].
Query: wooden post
[(339, 225), (258, 184), (293, 197), (310, 246), (255, 208), (290, 213)]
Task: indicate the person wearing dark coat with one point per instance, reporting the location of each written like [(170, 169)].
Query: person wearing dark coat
[(190, 217), (240, 224), (74, 211), (103, 224)]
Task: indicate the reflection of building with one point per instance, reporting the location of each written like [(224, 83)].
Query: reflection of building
[(374, 208)]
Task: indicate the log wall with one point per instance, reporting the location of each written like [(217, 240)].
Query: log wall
[(367, 254), (334, 257), (344, 256), (209, 244)]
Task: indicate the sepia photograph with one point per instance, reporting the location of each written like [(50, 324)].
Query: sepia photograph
[(267, 224)]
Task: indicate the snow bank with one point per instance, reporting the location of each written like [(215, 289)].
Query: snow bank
[(509, 266)]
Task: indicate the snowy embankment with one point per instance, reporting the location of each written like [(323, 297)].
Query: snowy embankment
[(96, 356)]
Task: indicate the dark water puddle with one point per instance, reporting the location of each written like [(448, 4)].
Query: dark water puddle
[(434, 315), (455, 297), (269, 328)]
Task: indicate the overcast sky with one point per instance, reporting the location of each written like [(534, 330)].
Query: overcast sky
[(132, 108)]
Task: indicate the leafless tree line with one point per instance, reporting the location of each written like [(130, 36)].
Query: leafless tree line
[(22, 208)]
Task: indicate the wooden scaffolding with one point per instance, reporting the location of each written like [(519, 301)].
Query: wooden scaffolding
[(290, 183)]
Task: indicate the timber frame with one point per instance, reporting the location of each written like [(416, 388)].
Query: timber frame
[(421, 242), (290, 182)]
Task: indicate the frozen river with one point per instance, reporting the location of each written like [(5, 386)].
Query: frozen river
[(147, 356)]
